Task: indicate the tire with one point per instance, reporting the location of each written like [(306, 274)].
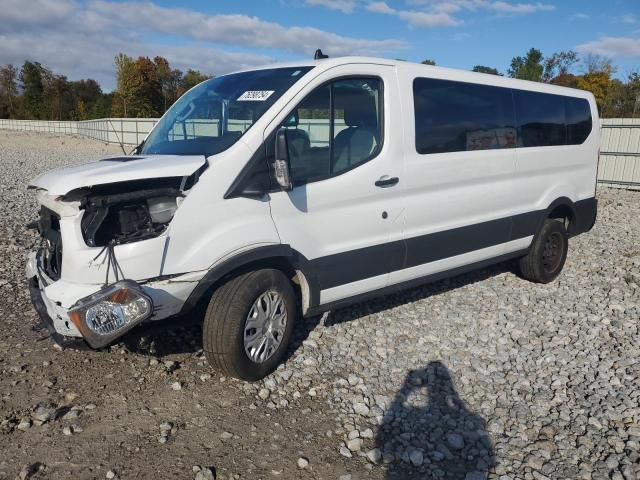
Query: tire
[(547, 253), (226, 322)]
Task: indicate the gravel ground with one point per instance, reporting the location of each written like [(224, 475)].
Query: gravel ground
[(484, 375)]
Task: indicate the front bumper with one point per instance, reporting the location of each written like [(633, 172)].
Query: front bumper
[(53, 299)]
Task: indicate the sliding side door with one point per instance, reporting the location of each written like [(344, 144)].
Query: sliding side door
[(459, 167)]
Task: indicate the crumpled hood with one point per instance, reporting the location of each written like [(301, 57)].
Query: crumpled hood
[(117, 169)]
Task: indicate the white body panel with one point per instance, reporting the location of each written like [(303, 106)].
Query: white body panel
[(63, 180)]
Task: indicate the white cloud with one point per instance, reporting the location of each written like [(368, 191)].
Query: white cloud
[(380, 7), (415, 18), (80, 39), (438, 13), (424, 19), (629, 18), (612, 47), (345, 6), (579, 16), (504, 7)]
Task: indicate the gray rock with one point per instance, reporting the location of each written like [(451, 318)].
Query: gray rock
[(345, 452), (374, 455), (355, 444), (204, 474), (416, 457), (455, 440)]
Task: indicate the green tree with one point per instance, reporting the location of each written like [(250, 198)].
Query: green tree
[(192, 78), (58, 102), (32, 90), (528, 67), (483, 69), (8, 91), (428, 62), (557, 67), (86, 94), (128, 84), (632, 102)]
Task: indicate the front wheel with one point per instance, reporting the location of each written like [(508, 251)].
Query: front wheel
[(547, 253), (248, 324)]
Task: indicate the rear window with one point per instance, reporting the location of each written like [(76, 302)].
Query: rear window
[(578, 116), (541, 120), (457, 116)]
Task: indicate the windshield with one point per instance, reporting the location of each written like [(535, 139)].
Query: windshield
[(212, 116)]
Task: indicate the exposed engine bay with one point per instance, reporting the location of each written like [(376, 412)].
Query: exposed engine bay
[(130, 211)]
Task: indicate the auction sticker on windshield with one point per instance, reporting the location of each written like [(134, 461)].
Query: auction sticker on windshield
[(255, 95)]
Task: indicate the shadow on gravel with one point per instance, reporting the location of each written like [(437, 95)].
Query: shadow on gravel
[(428, 432)]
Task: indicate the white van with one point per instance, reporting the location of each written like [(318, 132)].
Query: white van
[(274, 193)]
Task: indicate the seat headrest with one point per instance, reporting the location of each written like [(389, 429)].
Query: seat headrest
[(359, 109)]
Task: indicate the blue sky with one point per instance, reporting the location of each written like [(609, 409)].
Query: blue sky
[(79, 38)]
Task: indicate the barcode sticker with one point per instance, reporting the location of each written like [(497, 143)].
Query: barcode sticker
[(255, 95)]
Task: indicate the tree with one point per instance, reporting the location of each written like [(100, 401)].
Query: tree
[(149, 96), (8, 90), (528, 67), (192, 78), (483, 69), (32, 90), (633, 95), (128, 83), (557, 67), (598, 81), (87, 93), (169, 81), (428, 62)]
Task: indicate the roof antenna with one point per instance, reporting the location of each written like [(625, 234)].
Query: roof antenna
[(319, 55)]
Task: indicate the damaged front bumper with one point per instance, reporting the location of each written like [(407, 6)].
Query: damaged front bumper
[(63, 306)]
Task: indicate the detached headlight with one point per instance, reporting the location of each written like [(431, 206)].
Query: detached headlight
[(110, 312)]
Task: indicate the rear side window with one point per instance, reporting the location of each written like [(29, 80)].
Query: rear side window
[(541, 119), (578, 116), (457, 116)]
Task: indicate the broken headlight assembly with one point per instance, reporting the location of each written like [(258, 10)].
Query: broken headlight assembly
[(110, 312)]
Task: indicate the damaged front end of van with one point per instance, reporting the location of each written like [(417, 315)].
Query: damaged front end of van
[(105, 230)]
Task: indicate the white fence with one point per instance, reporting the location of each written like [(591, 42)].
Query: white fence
[(619, 164), (128, 131), (619, 152)]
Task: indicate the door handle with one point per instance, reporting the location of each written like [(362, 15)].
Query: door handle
[(386, 181)]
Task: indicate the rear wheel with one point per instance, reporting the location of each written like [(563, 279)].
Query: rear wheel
[(248, 324), (547, 253)]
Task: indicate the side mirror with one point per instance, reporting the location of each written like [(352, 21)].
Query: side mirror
[(281, 164)]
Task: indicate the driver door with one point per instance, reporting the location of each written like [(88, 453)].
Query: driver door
[(345, 210)]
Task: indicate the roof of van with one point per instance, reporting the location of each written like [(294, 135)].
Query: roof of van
[(413, 69)]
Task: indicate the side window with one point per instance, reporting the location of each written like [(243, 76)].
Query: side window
[(541, 119), (308, 137), (457, 116), (357, 116), (578, 114), (335, 128)]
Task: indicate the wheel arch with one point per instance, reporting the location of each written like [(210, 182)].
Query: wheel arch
[(562, 207), (281, 257)]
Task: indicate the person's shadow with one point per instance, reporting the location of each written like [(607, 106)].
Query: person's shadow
[(428, 432)]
